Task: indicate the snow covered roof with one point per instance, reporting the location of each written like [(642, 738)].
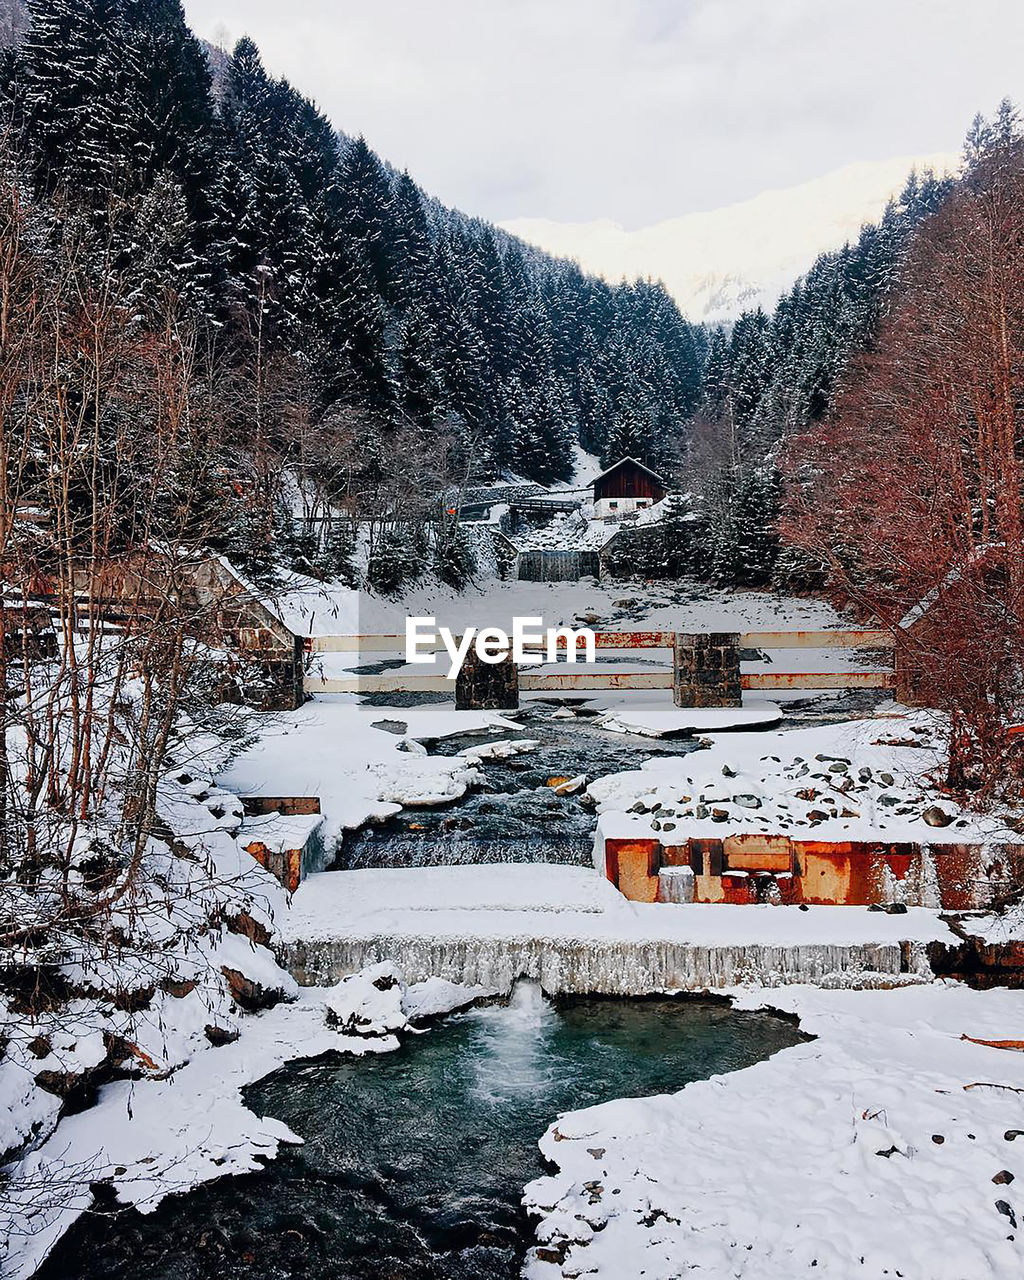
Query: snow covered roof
[(621, 462)]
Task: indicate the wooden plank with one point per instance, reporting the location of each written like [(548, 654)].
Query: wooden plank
[(873, 639), (598, 680), (378, 684), (816, 639), (357, 644), (435, 684), (819, 680), (396, 644)]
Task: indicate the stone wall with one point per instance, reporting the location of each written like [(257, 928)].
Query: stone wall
[(486, 686), (706, 670)]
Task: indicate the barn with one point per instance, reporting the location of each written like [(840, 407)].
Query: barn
[(625, 487)]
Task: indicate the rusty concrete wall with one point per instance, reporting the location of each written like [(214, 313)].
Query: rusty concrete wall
[(752, 868)]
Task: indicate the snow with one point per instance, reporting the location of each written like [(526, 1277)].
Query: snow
[(857, 780), (329, 748), (627, 716), (872, 1151), (1007, 926), (317, 609), (719, 263)]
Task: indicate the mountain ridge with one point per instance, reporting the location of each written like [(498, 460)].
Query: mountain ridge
[(720, 262)]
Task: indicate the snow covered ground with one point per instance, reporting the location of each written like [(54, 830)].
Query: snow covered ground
[(864, 779), (888, 1146), (331, 749), (314, 608)]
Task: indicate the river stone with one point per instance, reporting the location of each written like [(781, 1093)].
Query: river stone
[(936, 817), (390, 726)]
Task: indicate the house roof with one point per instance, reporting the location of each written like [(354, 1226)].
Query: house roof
[(621, 462)]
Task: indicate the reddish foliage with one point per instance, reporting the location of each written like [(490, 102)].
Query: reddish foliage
[(911, 489)]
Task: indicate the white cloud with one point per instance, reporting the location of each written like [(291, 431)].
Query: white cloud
[(636, 110)]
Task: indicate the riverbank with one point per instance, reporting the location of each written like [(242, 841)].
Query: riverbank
[(889, 1145)]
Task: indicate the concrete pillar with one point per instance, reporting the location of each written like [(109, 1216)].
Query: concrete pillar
[(706, 669), (487, 686), (911, 678)]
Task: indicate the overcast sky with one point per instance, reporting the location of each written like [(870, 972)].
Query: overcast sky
[(635, 110)]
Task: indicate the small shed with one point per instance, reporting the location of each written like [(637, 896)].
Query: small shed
[(625, 487)]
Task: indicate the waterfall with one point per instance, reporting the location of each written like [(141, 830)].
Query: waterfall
[(558, 566), (513, 1054), (623, 967), (436, 848)]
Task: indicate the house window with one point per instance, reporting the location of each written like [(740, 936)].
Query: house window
[(613, 506)]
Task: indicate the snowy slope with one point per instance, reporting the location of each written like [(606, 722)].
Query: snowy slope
[(721, 262)]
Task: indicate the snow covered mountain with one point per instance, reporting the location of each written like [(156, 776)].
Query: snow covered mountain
[(719, 263)]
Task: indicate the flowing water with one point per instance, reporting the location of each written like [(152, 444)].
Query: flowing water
[(414, 1161), (515, 815)]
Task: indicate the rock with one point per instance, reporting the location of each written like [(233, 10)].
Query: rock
[(817, 815), (887, 779), (719, 815), (179, 988), (728, 771), (936, 817), (747, 802), (1010, 1134), (839, 766), (1003, 1178), (249, 994), (39, 1047), (1007, 1212), (938, 1139), (219, 1036), (889, 800), (668, 826), (570, 786), (849, 813), (248, 927), (896, 909), (391, 726), (700, 812), (639, 807), (807, 793)]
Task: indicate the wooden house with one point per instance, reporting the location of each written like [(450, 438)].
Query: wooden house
[(625, 487)]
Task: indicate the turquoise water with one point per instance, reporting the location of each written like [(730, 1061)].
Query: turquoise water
[(414, 1161)]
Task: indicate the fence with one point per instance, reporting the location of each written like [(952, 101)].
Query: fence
[(705, 668)]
